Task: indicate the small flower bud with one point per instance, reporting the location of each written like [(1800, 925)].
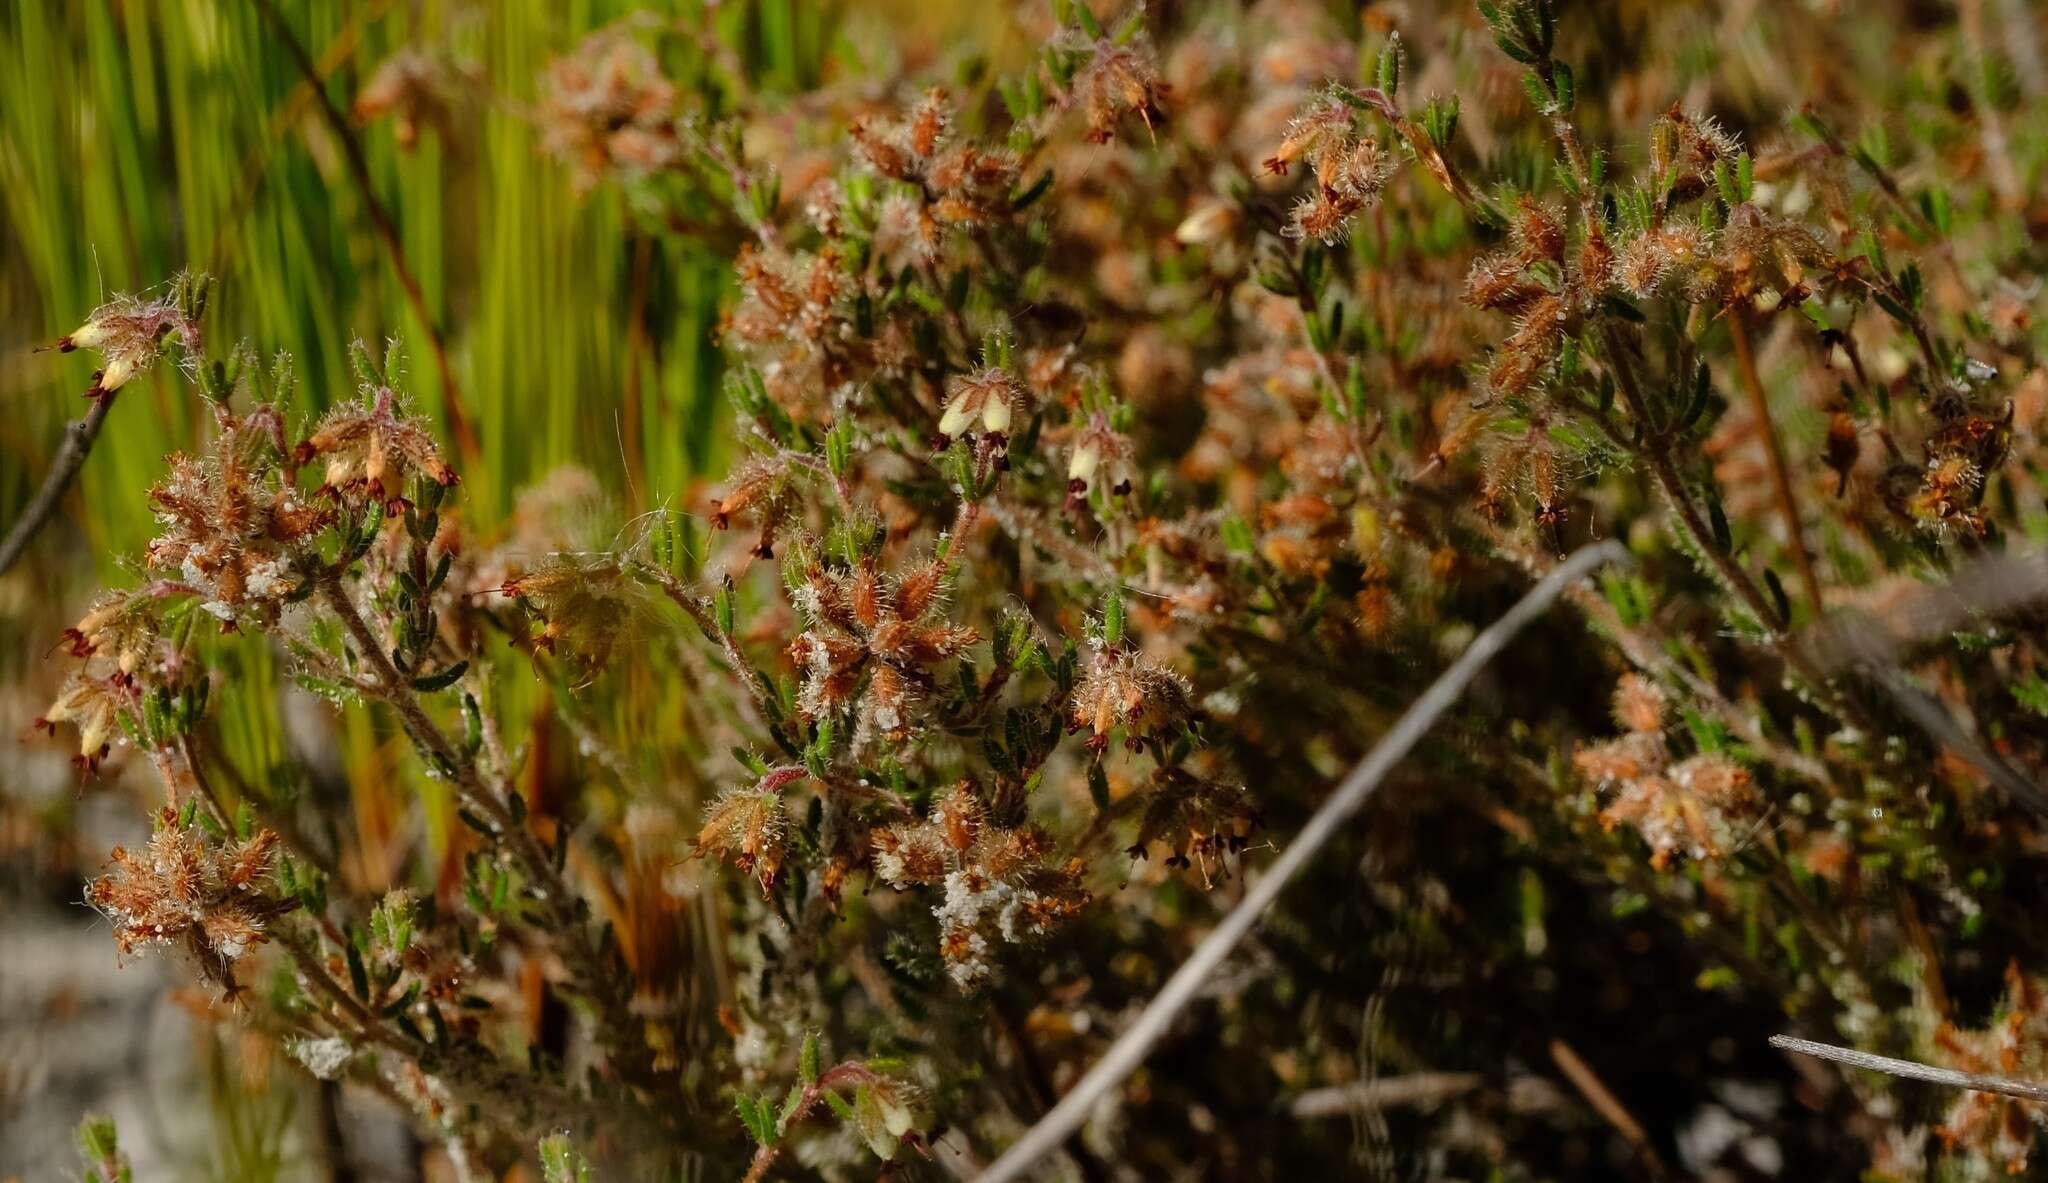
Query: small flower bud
[(115, 375), (1082, 465), (90, 335), (996, 415), (955, 420)]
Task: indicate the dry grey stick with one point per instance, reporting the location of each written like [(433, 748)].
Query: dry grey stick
[(1913, 1070), (1985, 586), (1873, 642), (78, 441), (1130, 1048), (1925, 710), (1422, 1090)]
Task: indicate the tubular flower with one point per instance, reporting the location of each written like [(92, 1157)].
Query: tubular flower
[(888, 1113), (763, 487), (117, 642), (1350, 169), (94, 702), (1684, 148), (1757, 255), (1538, 282), (1099, 447), (1323, 125), (1118, 80), (118, 626), (990, 395), (1346, 182), (748, 827)]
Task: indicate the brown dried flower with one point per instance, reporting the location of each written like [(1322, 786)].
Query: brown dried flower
[(876, 640), (414, 89), (1123, 690), (998, 882), (1690, 807), (185, 888), (373, 450), (1998, 1128), (608, 106), (1198, 819), (748, 827), (591, 603), (233, 527)]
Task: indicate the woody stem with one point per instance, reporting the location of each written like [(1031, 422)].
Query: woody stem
[(78, 440), (594, 975), (1668, 478)]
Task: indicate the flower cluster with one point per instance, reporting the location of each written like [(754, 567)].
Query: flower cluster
[(235, 527), (943, 183), (130, 332), (1347, 168), (1694, 807), (999, 884), (186, 890), (1197, 819), (412, 89), (1124, 691), (874, 643), (373, 450), (1997, 1130), (607, 107), (749, 827)]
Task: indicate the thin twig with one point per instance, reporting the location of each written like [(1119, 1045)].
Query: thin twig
[(838, 1076), (1419, 1090), (1912, 1069), (1130, 1048), (590, 968), (359, 170), (482, 1084), (760, 690), (1732, 573), (1774, 448), (78, 441), (1605, 1103)]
